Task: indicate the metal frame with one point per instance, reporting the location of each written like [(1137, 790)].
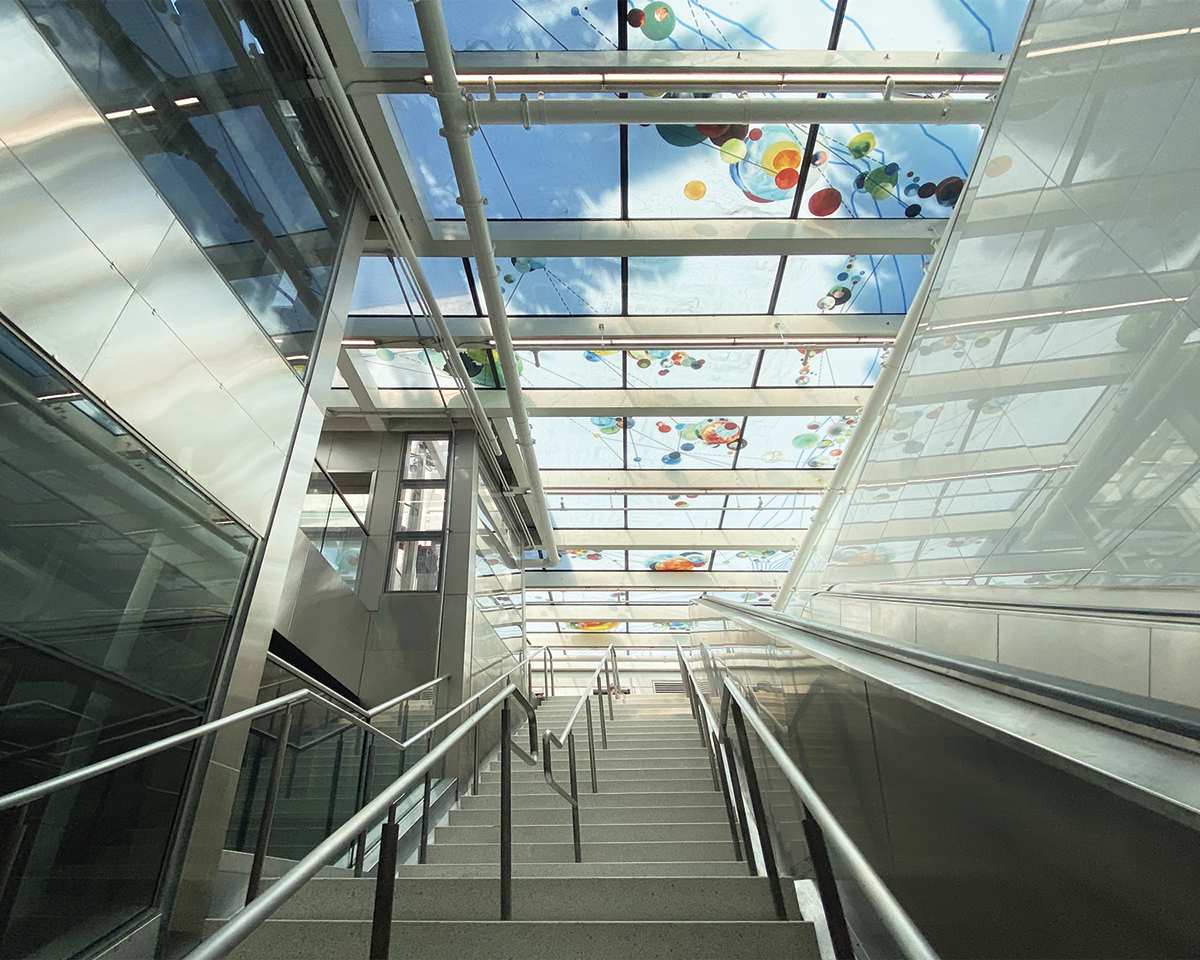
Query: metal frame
[(567, 739)]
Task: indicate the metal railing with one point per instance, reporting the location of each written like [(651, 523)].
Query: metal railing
[(822, 831), (21, 799), (567, 739), (243, 923)]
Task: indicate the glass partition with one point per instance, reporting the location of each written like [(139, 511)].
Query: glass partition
[(120, 581), (332, 525)]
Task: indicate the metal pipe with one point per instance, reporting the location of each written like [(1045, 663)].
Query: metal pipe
[(739, 109), (575, 832), (457, 129), (766, 848), (608, 685), (732, 817), (424, 851), (268, 813), (376, 188), (891, 914), (740, 802), (331, 810), (831, 900), (591, 746), (252, 916), (505, 815), (385, 889), (360, 850), (600, 709)]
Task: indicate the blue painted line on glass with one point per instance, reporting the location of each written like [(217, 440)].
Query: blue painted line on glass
[(953, 153), (987, 29), (740, 26)]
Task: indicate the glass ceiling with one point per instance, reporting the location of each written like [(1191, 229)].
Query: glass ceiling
[(777, 171)]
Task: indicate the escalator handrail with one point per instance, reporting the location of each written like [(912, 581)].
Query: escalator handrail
[(891, 914), (966, 670)]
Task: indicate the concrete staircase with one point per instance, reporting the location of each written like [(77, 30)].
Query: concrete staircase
[(658, 877)]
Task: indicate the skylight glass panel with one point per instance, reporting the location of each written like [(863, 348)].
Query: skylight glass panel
[(889, 170), (788, 511), (728, 25), (697, 443), (669, 561), (864, 284), (534, 286), (391, 25), (1058, 340), (592, 560), (764, 561), (795, 442), (666, 369), (763, 597), (541, 626), (586, 511), (701, 285), (407, 369), (977, 25), (571, 443), (659, 626), (592, 626), (663, 596), (831, 367), (675, 511), (679, 171), (567, 369), (560, 171)]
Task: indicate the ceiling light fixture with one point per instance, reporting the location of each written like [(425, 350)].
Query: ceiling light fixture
[(683, 340), (1061, 313), (734, 80), (359, 343), (1112, 42), (682, 492)]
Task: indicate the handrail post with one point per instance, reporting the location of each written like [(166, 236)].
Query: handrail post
[(600, 706), (545, 673), (360, 850), (505, 815), (12, 843), (608, 688), (835, 916), (616, 669), (740, 803), (575, 833), (421, 854), (715, 747), (385, 888), (760, 813), (552, 687), (591, 745), (268, 814)]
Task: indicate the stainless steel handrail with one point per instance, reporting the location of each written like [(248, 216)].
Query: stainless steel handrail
[(346, 702), (567, 739), (253, 915), (523, 663), (822, 830)]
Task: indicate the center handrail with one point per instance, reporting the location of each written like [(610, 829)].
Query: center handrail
[(248, 919), (822, 830), (522, 663), (367, 713), (567, 739)]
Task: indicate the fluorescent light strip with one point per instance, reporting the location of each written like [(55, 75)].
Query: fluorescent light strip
[(141, 111), (74, 395), (359, 343), (685, 491), (1112, 42), (779, 340)]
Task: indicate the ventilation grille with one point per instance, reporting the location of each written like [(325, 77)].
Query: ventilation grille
[(668, 686)]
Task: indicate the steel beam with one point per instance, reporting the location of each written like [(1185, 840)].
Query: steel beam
[(773, 401), (770, 482), (611, 70), (362, 387), (685, 538), (639, 333), (676, 238), (550, 612), (652, 579), (538, 111)]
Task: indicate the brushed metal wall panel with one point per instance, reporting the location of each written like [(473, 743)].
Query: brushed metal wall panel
[(54, 284), (971, 633), (1175, 665), (196, 303), (145, 372), (1113, 655), (56, 132)]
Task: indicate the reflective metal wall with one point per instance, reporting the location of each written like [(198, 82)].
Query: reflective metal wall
[(992, 851), (97, 269)]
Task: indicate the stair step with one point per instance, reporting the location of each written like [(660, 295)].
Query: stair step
[(600, 898), (537, 939), (626, 784), (534, 816), (609, 797), (614, 770), (650, 851), (590, 832), (669, 868)]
